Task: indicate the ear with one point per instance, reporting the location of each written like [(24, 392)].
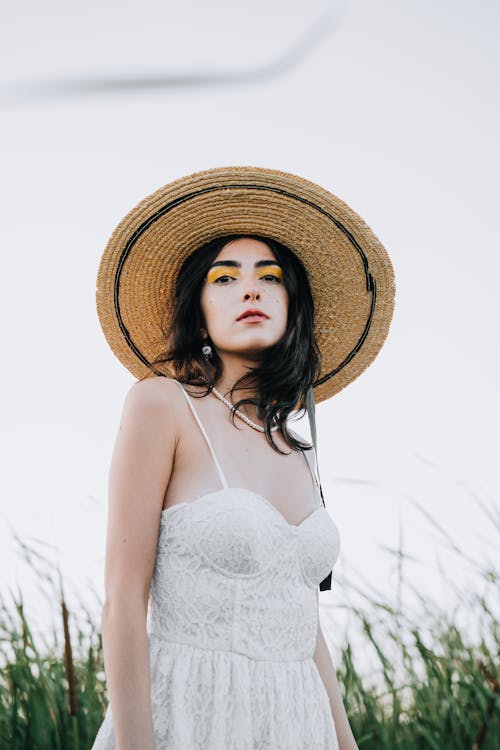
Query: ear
[(204, 333)]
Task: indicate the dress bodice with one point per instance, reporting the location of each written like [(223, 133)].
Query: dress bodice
[(230, 570)]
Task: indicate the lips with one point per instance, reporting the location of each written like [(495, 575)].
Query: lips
[(253, 314)]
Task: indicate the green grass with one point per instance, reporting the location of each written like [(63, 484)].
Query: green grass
[(433, 685)]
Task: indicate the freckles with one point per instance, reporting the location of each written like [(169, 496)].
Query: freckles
[(272, 295), (277, 299)]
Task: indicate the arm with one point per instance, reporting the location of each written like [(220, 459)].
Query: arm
[(139, 474), (126, 662), (327, 672)]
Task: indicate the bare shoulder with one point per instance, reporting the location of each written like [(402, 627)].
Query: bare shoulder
[(156, 390), (155, 403)]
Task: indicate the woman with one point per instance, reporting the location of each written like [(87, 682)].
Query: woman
[(218, 537)]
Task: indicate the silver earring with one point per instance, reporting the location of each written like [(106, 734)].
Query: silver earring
[(207, 351)]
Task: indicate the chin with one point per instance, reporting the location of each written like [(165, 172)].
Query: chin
[(256, 347)]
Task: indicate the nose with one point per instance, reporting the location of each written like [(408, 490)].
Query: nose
[(251, 293)]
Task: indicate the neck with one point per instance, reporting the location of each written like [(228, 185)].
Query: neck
[(233, 370)]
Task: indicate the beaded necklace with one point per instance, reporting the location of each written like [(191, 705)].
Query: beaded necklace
[(238, 412)]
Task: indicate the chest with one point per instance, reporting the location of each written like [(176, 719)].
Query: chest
[(247, 461)]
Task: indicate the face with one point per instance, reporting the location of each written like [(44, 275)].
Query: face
[(245, 275)]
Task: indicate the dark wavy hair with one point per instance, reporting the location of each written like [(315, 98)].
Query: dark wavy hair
[(287, 368)]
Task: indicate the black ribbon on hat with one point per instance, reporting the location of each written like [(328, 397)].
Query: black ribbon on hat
[(326, 583)]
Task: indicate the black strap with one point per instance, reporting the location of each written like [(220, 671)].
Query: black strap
[(326, 583)]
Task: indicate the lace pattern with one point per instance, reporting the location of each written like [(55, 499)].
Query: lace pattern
[(232, 625)]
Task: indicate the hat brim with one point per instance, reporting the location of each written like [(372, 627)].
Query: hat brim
[(350, 273)]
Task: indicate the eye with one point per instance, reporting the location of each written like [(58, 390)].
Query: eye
[(223, 276), (271, 277)]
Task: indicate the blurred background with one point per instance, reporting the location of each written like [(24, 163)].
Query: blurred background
[(391, 106)]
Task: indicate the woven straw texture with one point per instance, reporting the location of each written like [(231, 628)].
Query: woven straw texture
[(349, 270)]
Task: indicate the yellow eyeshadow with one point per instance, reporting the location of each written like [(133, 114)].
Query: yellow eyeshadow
[(214, 273), (276, 270)]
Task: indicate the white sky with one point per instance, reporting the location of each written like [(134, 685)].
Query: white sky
[(393, 107)]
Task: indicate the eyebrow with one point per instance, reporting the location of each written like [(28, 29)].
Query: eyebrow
[(237, 264)]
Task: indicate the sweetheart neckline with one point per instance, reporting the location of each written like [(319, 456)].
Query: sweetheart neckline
[(294, 526)]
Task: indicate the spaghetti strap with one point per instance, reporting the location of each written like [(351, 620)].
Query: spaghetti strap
[(191, 405), (316, 472), (313, 473)]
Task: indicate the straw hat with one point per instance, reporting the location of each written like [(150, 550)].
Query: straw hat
[(350, 273)]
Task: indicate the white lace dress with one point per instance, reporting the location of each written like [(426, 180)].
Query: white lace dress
[(232, 625)]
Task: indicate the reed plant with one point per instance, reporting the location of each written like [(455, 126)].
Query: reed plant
[(434, 685)]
